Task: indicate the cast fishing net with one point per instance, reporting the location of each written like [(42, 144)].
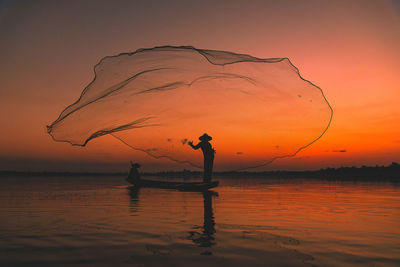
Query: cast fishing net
[(155, 100)]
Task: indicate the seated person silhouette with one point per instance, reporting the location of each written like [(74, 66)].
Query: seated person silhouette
[(134, 175), (208, 152)]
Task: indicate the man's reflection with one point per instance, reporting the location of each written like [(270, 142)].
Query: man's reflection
[(204, 238)]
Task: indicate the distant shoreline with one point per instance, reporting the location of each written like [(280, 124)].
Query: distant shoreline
[(390, 172)]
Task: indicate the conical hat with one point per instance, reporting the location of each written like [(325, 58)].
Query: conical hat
[(205, 137)]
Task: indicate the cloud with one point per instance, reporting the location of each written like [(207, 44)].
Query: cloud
[(339, 151)]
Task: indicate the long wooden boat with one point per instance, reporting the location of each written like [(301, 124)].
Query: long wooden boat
[(184, 186)]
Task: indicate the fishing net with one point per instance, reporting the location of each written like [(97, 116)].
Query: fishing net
[(155, 100)]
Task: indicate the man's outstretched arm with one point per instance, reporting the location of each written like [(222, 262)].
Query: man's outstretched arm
[(194, 146)]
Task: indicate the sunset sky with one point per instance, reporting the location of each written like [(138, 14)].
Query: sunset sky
[(348, 48)]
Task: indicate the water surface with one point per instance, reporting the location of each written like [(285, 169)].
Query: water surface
[(244, 221)]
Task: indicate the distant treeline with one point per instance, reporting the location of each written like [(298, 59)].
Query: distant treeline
[(45, 173), (390, 172)]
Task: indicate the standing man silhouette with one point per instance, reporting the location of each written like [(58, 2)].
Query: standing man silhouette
[(208, 152)]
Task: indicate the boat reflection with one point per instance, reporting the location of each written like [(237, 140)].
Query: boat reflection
[(203, 237)]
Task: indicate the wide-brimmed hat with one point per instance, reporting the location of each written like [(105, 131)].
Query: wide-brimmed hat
[(205, 137)]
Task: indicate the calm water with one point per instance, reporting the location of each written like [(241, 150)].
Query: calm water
[(101, 221)]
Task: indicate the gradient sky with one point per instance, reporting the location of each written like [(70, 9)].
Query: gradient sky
[(348, 48)]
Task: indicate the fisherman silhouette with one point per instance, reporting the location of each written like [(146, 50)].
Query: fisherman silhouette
[(208, 152), (134, 175)]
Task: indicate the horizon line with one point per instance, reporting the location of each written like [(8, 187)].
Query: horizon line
[(192, 171)]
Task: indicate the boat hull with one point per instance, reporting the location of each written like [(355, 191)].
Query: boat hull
[(187, 186)]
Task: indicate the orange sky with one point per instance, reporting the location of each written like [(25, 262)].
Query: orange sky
[(348, 48)]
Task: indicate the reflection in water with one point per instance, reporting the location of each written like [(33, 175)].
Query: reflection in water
[(133, 192), (97, 221), (205, 237)]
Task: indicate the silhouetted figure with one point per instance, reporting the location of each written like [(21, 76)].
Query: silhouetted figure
[(134, 175), (208, 153)]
